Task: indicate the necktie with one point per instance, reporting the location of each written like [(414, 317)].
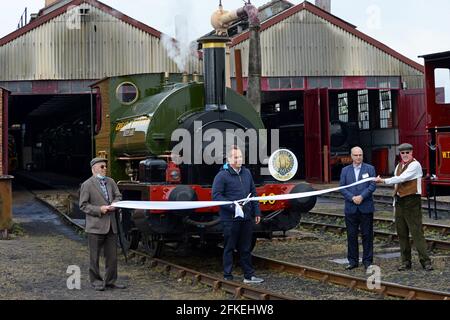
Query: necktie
[(104, 189)]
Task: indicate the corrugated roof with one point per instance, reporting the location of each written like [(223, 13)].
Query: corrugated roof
[(333, 20), (63, 9)]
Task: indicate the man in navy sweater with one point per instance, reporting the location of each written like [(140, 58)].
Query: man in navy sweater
[(359, 208), (234, 182)]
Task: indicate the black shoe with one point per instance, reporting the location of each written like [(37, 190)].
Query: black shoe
[(404, 267), (428, 267), (351, 267), (116, 286), (228, 278)]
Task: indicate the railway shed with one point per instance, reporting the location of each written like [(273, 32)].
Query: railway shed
[(48, 66), (327, 86)]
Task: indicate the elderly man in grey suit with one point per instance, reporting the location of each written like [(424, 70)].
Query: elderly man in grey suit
[(96, 196)]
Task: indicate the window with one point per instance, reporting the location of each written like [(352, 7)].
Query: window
[(127, 93), (385, 109), (343, 107), (298, 82), (285, 83), (442, 84), (363, 109), (274, 83), (293, 105)]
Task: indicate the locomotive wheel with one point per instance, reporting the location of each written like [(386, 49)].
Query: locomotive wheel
[(152, 245)]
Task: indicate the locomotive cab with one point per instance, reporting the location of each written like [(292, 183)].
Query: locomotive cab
[(437, 74)]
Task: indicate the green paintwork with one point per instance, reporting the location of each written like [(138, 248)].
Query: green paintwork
[(147, 125)]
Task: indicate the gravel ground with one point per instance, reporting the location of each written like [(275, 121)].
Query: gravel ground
[(283, 283), (34, 264), (319, 250)]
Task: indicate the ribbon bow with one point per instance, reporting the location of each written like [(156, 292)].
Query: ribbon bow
[(238, 208)]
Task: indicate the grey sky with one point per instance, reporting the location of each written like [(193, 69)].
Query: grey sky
[(413, 27)]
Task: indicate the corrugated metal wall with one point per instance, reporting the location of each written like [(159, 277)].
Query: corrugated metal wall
[(104, 46), (2, 144), (308, 45)]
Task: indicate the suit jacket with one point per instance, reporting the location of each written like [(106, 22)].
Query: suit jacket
[(92, 198), (365, 190)]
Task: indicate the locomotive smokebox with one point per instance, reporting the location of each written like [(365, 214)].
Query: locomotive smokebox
[(214, 72)]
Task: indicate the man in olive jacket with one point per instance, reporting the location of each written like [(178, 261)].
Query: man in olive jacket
[(96, 196)]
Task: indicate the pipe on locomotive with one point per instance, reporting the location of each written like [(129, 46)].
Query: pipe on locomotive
[(221, 20), (214, 51)]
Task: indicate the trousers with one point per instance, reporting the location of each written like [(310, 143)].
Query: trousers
[(109, 244), (238, 235), (356, 222), (408, 219)]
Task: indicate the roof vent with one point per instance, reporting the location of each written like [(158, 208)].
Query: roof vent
[(84, 11)]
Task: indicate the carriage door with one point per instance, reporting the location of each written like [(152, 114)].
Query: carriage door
[(317, 136), (412, 121)]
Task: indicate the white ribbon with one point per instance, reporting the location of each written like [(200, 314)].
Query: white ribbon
[(186, 205), (238, 210)]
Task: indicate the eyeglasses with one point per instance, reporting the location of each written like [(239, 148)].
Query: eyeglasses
[(103, 167), (405, 152)]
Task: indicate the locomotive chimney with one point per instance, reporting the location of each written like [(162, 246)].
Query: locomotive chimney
[(324, 5), (214, 71)]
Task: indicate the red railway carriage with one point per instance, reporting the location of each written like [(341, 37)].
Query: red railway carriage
[(437, 75)]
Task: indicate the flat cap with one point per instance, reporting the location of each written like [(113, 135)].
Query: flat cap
[(97, 160), (405, 147)]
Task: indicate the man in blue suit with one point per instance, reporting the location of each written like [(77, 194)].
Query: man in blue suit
[(359, 209)]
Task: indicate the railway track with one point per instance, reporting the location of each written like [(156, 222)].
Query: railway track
[(339, 229), (239, 290), (441, 207), (243, 291), (442, 229), (385, 288)]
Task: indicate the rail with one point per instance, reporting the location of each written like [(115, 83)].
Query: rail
[(440, 228), (238, 290), (432, 243), (385, 288)]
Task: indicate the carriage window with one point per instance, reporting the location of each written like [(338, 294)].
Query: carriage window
[(293, 105), (363, 109), (127, 93), (343, 106), (385, 109), (442, 84)]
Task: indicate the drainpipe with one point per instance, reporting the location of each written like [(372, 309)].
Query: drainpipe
[(254, 61)]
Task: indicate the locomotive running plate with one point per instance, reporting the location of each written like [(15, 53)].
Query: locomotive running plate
[(283, 165)]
